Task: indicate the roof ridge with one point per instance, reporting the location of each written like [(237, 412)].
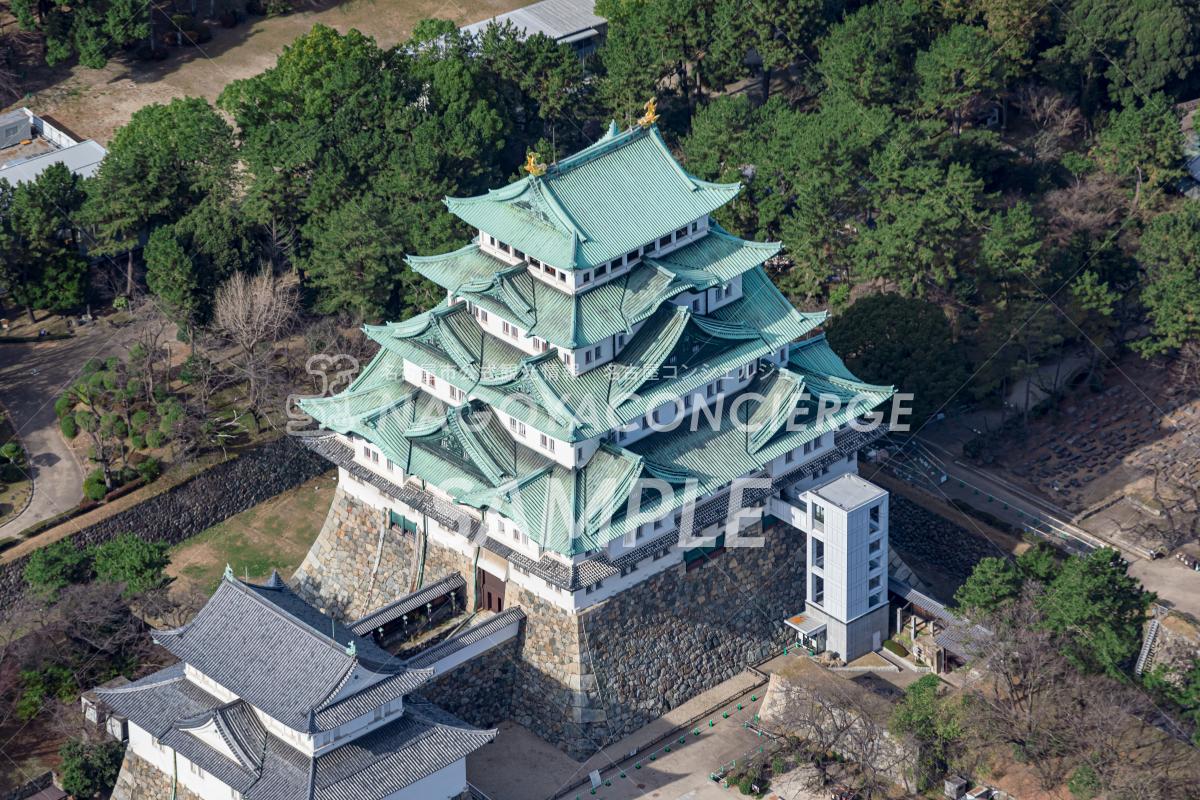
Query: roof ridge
[(247, 590)]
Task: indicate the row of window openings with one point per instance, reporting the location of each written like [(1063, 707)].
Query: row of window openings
[(373, 457), (518, 429), (628, 259), (818, 592), (790, 455)]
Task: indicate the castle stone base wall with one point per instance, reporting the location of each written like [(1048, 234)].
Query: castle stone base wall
[(481, 690), (591, 678), (358, 563), (581, 680), (141, 780)]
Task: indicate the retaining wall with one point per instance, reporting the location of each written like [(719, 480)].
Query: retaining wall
[(228, 488)]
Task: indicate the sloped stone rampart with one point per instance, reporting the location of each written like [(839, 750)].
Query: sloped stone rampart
[(212, 496)]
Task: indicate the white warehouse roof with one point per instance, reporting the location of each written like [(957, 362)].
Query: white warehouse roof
[(83, 159), (561, 20)]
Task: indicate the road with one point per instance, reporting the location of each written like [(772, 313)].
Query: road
[(32, 376), (1174, 584)]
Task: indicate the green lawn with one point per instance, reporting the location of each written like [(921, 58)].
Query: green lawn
[(272, 535)]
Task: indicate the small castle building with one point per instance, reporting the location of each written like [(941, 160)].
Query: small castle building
[(273, 700)]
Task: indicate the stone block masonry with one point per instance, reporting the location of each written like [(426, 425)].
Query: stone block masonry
[(212, 496), (580, 680), (359, 563), (141, 780), (591, 678), (481, 690)]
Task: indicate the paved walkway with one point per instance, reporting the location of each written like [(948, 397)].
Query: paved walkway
[(32, 376), (505, 770)]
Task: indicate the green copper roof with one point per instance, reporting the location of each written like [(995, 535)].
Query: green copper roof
[(574, 321), (602, 202), (673, 353)]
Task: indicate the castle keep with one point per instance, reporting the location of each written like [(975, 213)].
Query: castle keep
[(612, 399)]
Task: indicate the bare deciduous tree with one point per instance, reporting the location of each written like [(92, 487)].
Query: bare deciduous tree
[(1093, 205), (253, 312), (1056, 118)]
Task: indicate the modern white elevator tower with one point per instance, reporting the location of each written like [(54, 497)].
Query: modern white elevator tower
[(848, 564)]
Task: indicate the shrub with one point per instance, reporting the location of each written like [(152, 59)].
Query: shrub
[(11, 473), (12, 452), (140, 419), (895, 647), (746, 784), (156, 438), (137, 441), (40, 685), (69, 429), (52, 568), (94, 487), (150, 469), (90, 770), (133, 561), (778, 765), (64, 405), (1084, 783)]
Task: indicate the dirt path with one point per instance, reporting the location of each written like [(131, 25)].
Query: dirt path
[(32, 376), (94, 103)]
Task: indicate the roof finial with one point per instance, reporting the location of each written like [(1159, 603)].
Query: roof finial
[(351, 649), (651, 115), (533, 165), (229, 573)]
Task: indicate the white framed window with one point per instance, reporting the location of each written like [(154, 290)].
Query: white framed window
[(429, 379), (546, 442), (516, 426)]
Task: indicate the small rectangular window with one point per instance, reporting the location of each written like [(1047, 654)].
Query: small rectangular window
[(587, 356), (632, 257), (695, 226), (505, 248), (562, 276), (664, 241), (551, 271), (586, 278), (518, 253), (682, 232), (601, 270), (366, 452), (873, 601)]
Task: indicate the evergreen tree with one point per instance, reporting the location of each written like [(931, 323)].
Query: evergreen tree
[(159, 166), (1170, 258), (993, 583), (92, 30), (885, 338), (1099, 609), (1142, 142)]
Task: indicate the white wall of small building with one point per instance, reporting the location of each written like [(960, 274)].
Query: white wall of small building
[(446, 783), (170, 763)]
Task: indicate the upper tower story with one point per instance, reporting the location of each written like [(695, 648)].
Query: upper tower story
[(578, 254)]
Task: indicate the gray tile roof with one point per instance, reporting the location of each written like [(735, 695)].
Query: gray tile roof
[(418, 744), (958, 634), (465, 638), (281, 655), (422, 741), (409, 602)]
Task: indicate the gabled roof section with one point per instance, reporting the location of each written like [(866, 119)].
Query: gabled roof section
[(618, 194), (278, 653), (715, 258)]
